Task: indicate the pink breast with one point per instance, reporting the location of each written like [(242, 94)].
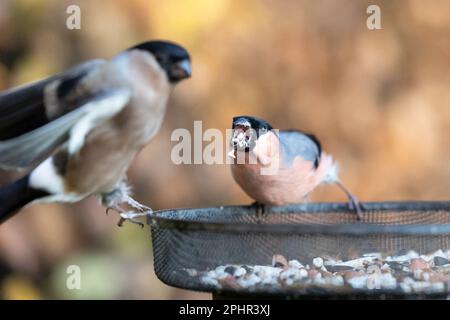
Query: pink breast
[(289, 185)]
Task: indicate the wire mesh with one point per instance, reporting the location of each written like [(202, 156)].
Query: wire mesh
[(188, 243)]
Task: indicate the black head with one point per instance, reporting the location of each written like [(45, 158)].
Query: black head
[(173, 58), (247, 130)]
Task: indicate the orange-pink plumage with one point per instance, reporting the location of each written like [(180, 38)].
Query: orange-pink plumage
[(279, 168)]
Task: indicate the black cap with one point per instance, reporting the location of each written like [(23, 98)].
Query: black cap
[(173, 58)]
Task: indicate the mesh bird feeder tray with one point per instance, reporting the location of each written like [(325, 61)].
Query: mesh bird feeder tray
[(316, 250)]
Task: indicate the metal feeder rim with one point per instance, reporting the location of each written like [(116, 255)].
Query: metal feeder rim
[(357, 229)]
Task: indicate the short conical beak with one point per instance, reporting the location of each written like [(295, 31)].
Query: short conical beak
[(185, 68)]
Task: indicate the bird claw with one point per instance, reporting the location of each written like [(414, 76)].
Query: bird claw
[(115, 208), (131, 216), (355, 205), (122, 220), (353, 202), (140, 207), (260, 209)]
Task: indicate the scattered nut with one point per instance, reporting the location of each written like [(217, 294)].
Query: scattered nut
[(318, 262), (279, 261), (418, 263), (440, 261), (408, 272), (295, 264)]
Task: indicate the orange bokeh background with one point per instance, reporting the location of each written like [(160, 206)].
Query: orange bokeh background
[(378, 100)]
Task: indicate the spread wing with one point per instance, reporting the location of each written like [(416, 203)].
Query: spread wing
[(23, 109), (29, 135)]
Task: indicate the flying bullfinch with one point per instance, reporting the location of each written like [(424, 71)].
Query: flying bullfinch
[(293, 161), (82, 128)]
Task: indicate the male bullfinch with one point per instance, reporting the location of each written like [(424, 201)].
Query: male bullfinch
[(279, 168), (83, 127)]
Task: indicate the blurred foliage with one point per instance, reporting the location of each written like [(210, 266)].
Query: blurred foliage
[(378, 100)]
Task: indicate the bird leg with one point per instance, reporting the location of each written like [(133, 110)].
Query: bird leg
[(353, 203), (260, 209), (121, 195), (306, 199), (138, 206), (130, 216)]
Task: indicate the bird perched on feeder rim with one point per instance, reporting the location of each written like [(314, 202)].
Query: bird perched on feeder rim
[(83, 127), (279, 168)]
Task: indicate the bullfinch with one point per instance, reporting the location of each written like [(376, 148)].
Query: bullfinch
[(280, 167), (81, 129)]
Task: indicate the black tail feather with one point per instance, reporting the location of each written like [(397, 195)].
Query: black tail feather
[(16, 195)]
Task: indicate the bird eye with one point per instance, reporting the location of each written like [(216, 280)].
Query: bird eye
[(159, 58)]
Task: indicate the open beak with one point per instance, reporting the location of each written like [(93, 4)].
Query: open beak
[(241, 137)]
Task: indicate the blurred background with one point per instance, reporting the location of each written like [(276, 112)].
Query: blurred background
[(378, 100)]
